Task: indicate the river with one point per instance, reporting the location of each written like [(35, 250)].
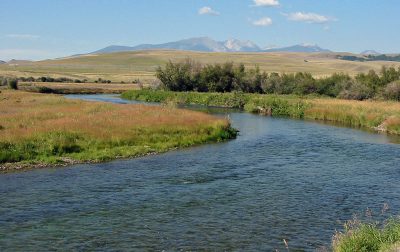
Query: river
[(280, 179)]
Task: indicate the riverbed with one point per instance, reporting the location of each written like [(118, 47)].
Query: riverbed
[(280, 179)]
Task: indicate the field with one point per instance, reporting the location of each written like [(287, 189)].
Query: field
[(42, 129), (381, 116), (130, 66)]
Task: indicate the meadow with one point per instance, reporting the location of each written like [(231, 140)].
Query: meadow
[(129, 66), (46, 129), (381, 116)]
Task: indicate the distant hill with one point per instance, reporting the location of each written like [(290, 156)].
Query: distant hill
[(18, 62), (202, 44), (2, 62), (370, 52), (299, 48)]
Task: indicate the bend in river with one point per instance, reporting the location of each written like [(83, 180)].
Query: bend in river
[(280, 179)]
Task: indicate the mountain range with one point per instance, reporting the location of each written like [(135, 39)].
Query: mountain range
[(370, 52), (205, 44)]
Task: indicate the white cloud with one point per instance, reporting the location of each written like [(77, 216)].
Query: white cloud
[(22, 36), (266, 2), (265, 21), (208, 11), (309, 17)]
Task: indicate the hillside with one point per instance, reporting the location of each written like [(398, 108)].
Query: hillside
[(128, 66)]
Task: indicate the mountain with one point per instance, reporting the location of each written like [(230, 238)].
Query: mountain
[(2, 62), (234, 45), (370, 52), (205, 44), (18, 62), (299, 48), (202, 44)]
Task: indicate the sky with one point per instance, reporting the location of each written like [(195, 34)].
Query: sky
[(41, 29)]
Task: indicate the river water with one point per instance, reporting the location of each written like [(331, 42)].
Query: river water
[(280, 179)]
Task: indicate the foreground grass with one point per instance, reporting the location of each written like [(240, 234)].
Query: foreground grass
[(376, 115), (369, 237), (49, 129)]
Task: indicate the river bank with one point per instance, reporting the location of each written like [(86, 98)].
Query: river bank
[(380, 116), (40, 130)]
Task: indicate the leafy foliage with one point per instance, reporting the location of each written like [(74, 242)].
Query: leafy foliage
[(228, 77)]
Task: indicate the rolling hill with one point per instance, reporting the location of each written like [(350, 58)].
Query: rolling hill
[(128, 66)]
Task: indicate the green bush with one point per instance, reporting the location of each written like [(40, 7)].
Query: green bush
[(12, 84), (46, 90)]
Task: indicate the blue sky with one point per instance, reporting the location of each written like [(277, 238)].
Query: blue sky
[(39, 29)]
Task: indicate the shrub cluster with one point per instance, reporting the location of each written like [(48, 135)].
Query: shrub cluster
[(381, 57), (11, 83), (51, 79), (228, 77), (100, 80)]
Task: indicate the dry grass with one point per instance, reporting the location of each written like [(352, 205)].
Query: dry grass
[(381, 115), (127, 66), (50, 126)]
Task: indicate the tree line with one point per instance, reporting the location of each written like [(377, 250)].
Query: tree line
[(229, 77)]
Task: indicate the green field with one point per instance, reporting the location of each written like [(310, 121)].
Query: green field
[(128, 66)]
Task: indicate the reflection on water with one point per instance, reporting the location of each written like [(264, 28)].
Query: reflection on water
[(280, 179)]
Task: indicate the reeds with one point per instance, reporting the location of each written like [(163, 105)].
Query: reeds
[(376, 115)]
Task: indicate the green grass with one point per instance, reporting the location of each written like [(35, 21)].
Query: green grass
[(369, 237), (375, 115)]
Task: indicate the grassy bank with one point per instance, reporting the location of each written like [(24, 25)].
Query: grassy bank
[(371, 237), (376, 115), (49, 129)]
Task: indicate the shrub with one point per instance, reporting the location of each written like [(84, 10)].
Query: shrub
[(12, 84), (354, 90), (392, 91), (46, 90)]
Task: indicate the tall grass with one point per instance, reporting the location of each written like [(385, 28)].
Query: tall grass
[(368, 236), (377, 115), (49, 128)]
